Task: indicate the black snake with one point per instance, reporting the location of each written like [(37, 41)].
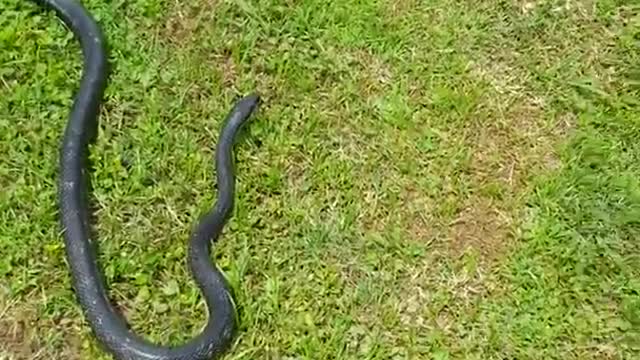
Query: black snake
[(107, 323)]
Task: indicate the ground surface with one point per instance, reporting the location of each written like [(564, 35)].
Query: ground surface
[(426, 179)]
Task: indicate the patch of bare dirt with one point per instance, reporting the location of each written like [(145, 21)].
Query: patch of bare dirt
[(185, 17), (13, 339), (374, 74), (509, 147), (419, 207), (229, 69), (513, 141), (22, 337), (482, 226), (400, 8), (581, 7)]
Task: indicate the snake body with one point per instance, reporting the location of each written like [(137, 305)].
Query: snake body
[(108, 325)]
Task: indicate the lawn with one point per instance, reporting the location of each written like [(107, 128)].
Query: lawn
[(425, 179)]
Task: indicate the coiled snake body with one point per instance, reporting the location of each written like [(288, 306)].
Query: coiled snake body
[(108, 325)]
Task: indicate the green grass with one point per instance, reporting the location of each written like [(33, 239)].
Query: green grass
[(425, 179)]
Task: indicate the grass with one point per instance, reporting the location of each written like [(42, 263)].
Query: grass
[(425, 180)]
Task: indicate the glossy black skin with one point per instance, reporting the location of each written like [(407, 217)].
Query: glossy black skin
[(109, 326)]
